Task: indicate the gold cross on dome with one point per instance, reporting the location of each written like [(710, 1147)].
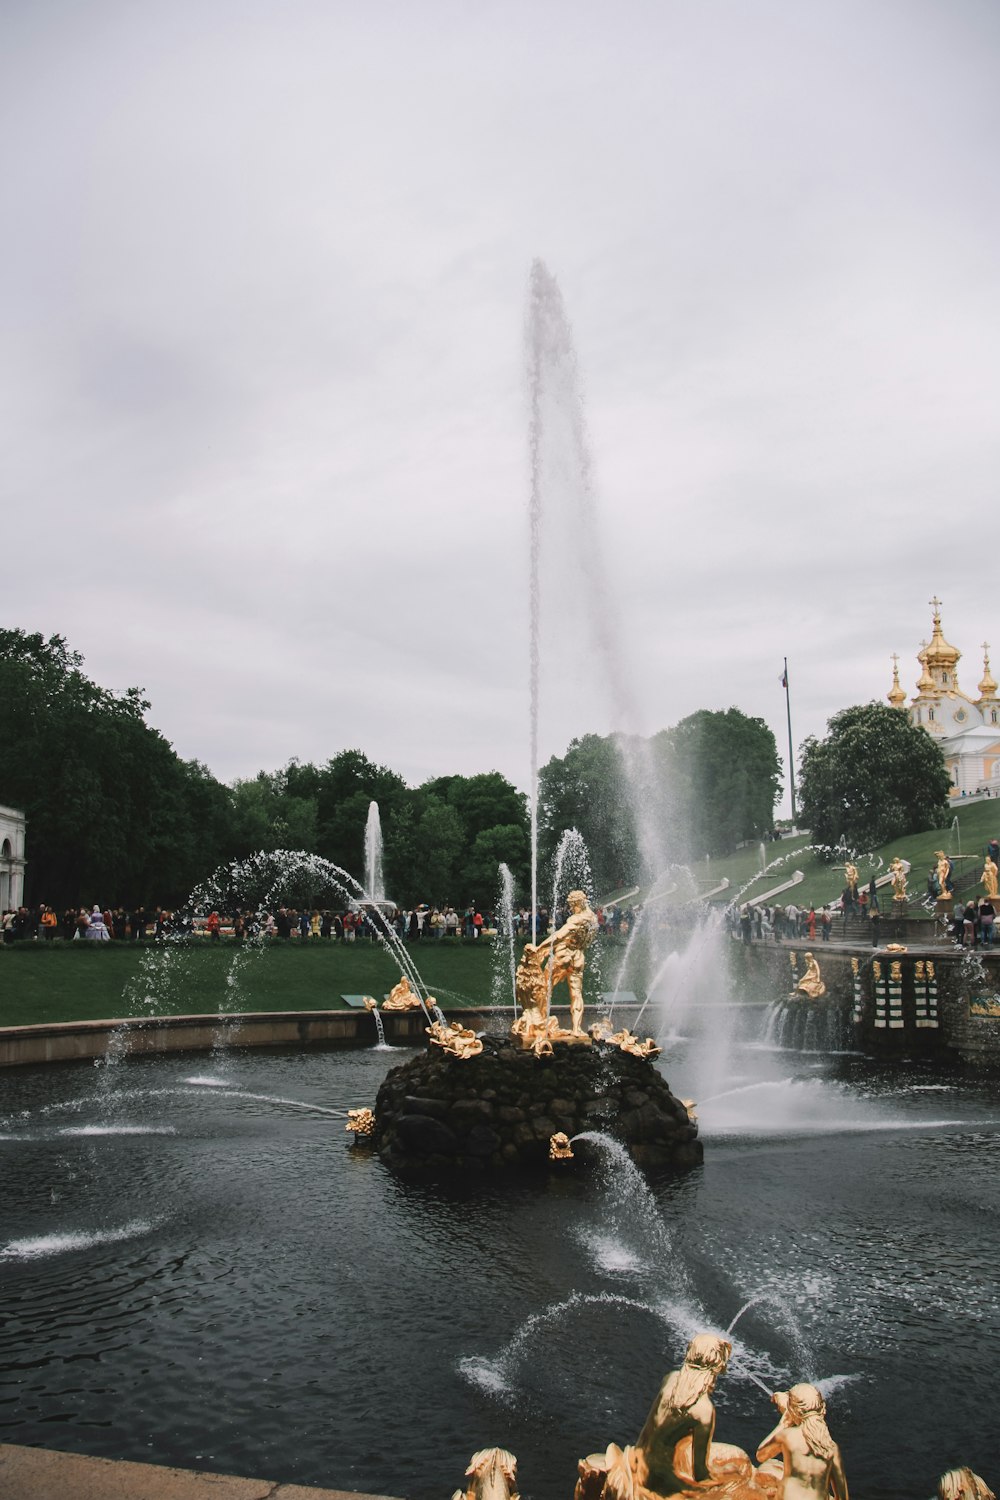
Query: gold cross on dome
[(986, 648), (935, 605), (894, 658)]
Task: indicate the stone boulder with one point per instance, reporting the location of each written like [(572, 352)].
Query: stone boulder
[(438, 1113)]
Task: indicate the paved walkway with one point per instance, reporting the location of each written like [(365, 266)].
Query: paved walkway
[(43, 1474)]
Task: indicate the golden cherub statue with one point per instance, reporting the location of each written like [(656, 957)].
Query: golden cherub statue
[(565, 950), (559, 1147), (898, 869), (402, 997), (811, 984), (628, 1042), (989, 880), (812, 1468)]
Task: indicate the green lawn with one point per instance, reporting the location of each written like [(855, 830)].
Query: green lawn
[(90, 981), (824, 883)]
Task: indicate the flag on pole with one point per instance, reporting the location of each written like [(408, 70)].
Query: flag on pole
[(784, 679)]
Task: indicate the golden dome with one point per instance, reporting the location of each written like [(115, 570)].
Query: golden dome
[(939, 653), (925, 682), (987, 687), (895, 695)]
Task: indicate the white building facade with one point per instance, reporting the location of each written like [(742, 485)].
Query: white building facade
[(12, 828), (967, 729)]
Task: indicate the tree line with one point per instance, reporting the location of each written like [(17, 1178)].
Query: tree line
[(115, 815)]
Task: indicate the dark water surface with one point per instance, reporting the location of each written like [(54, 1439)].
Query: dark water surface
[(195, 1269)]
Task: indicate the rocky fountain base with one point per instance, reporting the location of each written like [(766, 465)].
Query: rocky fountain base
[(500, 1108)]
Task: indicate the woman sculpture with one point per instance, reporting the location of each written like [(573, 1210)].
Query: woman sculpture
[(898, 879), (811, 984), (989, 879), (812, 1466), (683, 1408)]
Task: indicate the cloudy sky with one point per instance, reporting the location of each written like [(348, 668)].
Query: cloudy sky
[(264, 271)]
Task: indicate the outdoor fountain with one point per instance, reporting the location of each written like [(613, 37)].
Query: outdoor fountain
[(192, 1261)]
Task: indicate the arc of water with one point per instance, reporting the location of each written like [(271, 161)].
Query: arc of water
[(292, 861)]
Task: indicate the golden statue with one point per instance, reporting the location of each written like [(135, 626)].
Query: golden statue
[(360, 1121), (459, 1040), (811, 984), (683, 1408), (629, 1043), (989, 880), (401, 997), (565, 955), (811, 1459), (898, 879), (534, 1026), (944, 869), (962, 1484), (492, 1475), (559, 1147), (369, 1002), (851, 876)]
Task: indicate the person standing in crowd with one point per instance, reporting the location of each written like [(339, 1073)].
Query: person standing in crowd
[(825, 923), (987, 918), (97, 930), (745, 923)]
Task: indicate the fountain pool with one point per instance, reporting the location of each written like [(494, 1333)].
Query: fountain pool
[(197, 1269)]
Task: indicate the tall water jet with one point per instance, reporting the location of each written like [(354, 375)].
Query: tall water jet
[(563, 500), (374, 879)]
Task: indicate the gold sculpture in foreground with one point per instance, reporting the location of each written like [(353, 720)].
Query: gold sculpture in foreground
[(676, 1454), (811, 984), (811, 1463), (360, 1121), (989, 878), (402, 997), (565, 950), (459, 1040), (492, 1475), (962, 1484), (851, 876)]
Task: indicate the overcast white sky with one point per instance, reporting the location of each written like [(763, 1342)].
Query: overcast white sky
[(262, 400)]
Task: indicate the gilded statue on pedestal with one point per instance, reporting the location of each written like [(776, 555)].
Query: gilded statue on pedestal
[(562, 952), (402, 997), (944, 872), (812, 1467), (898, 879), (989, 879), (851, 876), (811, 984)]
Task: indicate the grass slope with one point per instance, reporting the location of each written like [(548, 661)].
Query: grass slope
[(823, 883)]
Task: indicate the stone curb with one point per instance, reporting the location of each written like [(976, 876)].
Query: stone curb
[(45, 1474)]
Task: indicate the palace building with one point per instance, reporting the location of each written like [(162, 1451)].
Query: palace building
[(967, 729)]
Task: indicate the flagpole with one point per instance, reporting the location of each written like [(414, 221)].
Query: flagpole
[(791, 757)]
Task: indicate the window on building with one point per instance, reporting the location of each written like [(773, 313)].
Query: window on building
[(930, 714)]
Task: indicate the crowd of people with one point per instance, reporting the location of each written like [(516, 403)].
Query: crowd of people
[(418, 924)]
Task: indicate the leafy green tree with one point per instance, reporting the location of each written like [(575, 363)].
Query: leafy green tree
[(113, 814), (873, 778), (585, 789), (724, 772)]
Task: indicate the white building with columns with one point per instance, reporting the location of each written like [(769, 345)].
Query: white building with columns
[(966, 728), (12, 828)]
